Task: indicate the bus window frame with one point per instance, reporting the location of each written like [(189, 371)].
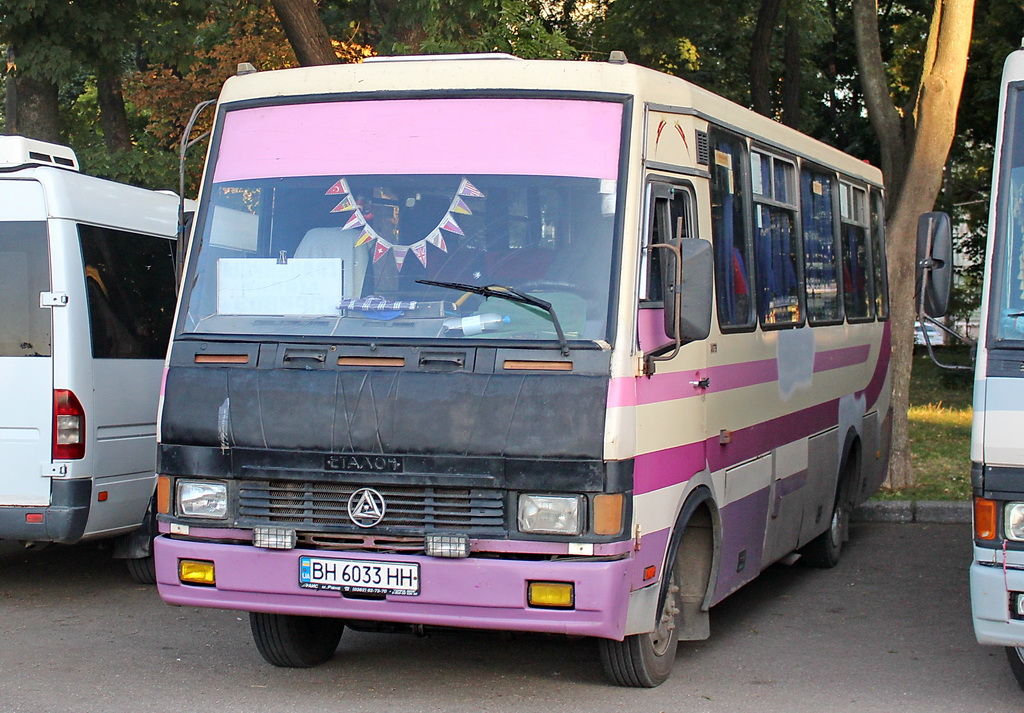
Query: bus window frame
[(650, 214), (869, 270), (742, 176), (814, 167), (775, 154)]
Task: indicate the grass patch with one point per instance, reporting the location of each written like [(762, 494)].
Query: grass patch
[(940, 429)]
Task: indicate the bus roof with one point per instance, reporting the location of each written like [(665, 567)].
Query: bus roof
[(495, 73)]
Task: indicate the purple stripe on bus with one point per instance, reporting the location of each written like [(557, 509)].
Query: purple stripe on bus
[(664, 468), (472, 593), (641, 390), (743, 525), (838, 358), (787, 486), (874, 387)]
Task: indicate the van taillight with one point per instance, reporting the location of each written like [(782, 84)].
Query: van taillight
[(68, 426)]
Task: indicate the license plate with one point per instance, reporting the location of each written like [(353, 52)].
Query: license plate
[(363, 576)]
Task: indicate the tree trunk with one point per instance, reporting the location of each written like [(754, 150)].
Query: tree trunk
[(305, 31), (35, 109), (917, 163), (113, 116), (760, 52), (792, 89)]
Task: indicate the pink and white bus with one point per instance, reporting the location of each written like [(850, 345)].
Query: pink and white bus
[(567, 347)]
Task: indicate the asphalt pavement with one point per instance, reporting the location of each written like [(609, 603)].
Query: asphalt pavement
[(887, 630)]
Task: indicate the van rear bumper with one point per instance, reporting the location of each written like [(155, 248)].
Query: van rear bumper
[(63, 520)]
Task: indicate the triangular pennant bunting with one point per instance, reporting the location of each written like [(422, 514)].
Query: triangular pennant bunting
[(380, 250), (355, 220), (338, 188), (451, 226), (420, 251), (437, 240), (346, 204), (459, 206), (366, 237), (400, 252), (468, 189)]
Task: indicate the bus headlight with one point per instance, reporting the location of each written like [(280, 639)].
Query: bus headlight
[(202, 499), (1013, 521), (549, 514)]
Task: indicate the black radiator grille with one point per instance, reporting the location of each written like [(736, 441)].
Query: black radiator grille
[(310, 505)]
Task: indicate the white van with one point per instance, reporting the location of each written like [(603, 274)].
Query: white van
[(87, 293)]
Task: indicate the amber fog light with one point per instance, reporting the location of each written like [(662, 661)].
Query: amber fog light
[(196, 572), (551, 595)]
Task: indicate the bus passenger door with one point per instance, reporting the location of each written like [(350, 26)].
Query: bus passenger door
[(670, 415)]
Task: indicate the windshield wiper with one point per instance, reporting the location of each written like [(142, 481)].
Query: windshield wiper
[(512, 295)]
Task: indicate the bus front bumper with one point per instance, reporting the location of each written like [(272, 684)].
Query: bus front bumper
[(992, 589), (476, 593)]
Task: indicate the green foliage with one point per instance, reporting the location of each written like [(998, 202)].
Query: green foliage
[(940, 429)]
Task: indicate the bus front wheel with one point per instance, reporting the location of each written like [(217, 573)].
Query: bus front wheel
[(295, 641), (1015, 655), (645, 660)]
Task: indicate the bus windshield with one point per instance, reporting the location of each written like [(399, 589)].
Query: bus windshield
[(1008, 267), (326, 219)]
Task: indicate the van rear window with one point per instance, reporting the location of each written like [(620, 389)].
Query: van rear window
[(129, 279), (24, 273)]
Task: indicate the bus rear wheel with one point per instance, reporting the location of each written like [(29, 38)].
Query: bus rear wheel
[(1015, 655), (295, 641), (646, 660)]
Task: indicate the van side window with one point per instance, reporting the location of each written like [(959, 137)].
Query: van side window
[(130, 285), (730, 232), (24, 273), (775, 240), (854, 237), (821, 255)]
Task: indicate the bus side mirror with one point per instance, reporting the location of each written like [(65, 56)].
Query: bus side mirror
[(934, 277), (688, 290)]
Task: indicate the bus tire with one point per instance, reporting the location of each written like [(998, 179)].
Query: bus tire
[(142, 569), (295, 641), (645, 660), (1015, 655), (824, 550)]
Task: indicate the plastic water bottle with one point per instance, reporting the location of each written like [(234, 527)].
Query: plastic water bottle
[(476, 324)]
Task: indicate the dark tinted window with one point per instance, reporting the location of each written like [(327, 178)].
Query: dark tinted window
[(821, 261), (24, 273), (857, 287), (730, 230), (878, 255), (130, 282)]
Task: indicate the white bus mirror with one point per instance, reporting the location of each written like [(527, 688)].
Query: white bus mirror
[(934, 274)]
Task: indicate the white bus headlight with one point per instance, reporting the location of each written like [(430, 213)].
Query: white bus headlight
[(1013, 521), (199, 499), (549, 514)]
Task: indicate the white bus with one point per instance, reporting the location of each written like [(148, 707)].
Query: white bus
[(87, 295), (997, 450), (568, 347)]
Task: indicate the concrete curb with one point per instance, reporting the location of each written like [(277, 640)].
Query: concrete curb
[(910, 511)]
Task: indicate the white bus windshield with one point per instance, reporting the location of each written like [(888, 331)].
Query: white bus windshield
[(324, 219)]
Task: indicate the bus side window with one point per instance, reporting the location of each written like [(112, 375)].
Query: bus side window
[(776, 241), (878, 263), (821, 254), (854, 238), (671, 217), (730, 231)]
